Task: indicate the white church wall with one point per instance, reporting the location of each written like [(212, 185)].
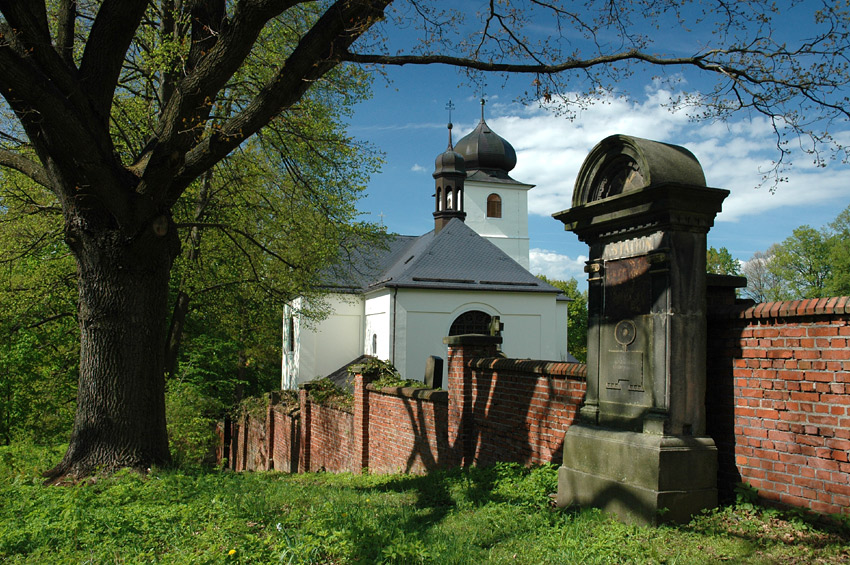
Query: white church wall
[(324, 346), (561, 317), (424, 317), (377, 336), (510, 232)]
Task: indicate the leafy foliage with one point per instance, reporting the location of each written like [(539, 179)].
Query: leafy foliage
[(801, 262), (721, 262), (325, 391), (39, 356), (385, 375), (192, 417), (810, 263)]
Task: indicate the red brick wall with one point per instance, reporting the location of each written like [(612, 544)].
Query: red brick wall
[(252, 453), (778, 400), (495, 410), (331, 439), (522, 409), (408, 430), (285, 440)]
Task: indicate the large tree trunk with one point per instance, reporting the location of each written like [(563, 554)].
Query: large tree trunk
[(123, 291)]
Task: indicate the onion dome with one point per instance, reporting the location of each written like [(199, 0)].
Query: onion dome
[(485, 149), (450, 161)]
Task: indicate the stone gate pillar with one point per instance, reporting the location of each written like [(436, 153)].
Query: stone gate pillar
[(639, 448)]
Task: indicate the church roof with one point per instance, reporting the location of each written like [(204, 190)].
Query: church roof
[(485, 149), (455, 258)]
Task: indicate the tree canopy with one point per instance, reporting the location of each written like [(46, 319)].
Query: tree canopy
[(126, 111), (810, 263), (721, 262)]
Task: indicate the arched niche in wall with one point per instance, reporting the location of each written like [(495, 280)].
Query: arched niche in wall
[(471, 322)]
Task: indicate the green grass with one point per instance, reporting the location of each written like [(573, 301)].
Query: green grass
[(498, 514)]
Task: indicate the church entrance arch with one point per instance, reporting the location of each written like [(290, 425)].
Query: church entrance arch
[(471, 322)]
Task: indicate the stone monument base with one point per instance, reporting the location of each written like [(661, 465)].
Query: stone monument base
[(642, 478)]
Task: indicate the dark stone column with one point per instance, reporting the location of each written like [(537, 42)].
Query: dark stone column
[(640, 448)]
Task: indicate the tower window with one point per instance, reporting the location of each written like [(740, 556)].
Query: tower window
[(494, 206)]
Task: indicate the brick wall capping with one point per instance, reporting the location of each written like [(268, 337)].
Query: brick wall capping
[(531, 366), (472, 339), (745, 309), (430, 394)]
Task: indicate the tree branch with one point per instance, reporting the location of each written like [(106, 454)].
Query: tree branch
[(57, 128), (110, 36), (251, 239), (27, 167), (319, 51), (182, 120), (65, 31)]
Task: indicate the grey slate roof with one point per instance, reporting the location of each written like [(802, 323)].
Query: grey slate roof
[(456, 258)]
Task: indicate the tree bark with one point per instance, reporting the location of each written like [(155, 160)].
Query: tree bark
[(123, 292)]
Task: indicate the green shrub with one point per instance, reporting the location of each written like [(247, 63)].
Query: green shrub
[(325, 392), (191, 417), (385, 375)]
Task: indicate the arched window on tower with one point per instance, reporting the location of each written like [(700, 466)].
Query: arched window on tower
[(439, 199), (449, 195), (471, 322), (494, 206)]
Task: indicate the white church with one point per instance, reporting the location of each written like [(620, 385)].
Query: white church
[(399, 303)]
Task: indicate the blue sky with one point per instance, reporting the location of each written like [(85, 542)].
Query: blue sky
[(406, 120)]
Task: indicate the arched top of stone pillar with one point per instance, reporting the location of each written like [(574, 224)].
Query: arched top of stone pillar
[(621, 163)]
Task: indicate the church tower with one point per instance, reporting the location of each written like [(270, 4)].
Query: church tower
[(449, 175), (496, 204)]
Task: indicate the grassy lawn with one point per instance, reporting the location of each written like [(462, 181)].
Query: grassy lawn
[(498, 514)]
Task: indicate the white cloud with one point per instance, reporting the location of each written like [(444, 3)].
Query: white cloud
[(417, 168), (734, 155), (556, 265)]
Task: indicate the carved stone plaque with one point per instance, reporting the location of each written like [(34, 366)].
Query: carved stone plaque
[(626, 371)]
